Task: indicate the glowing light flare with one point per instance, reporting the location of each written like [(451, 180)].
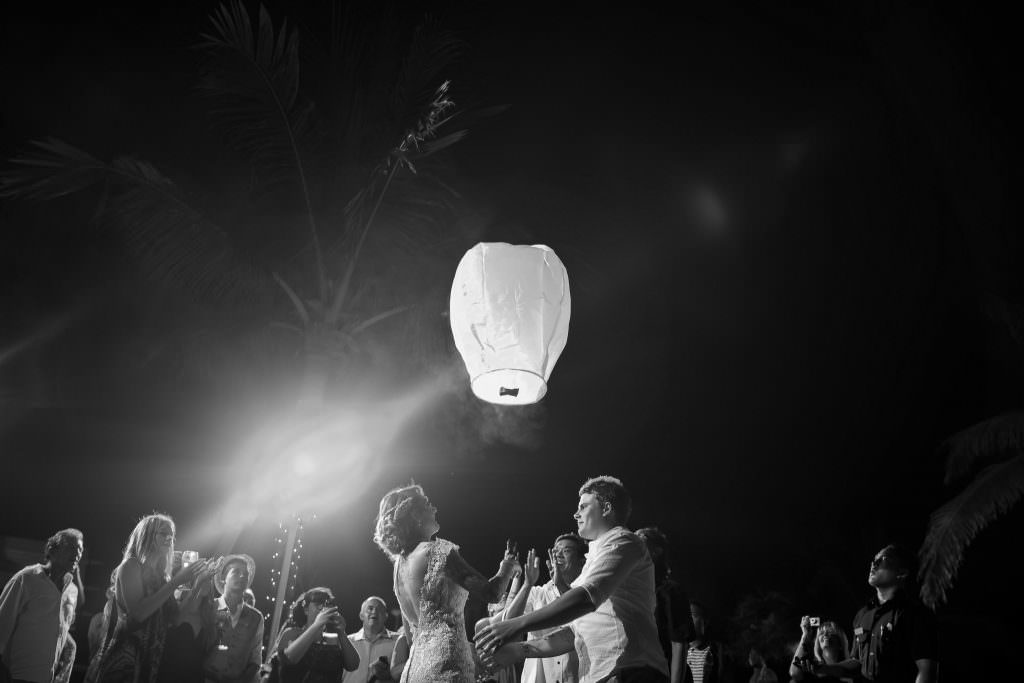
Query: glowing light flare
[(303, 464), (312, 466)]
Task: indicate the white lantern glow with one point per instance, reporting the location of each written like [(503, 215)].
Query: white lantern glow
[(510, 318)]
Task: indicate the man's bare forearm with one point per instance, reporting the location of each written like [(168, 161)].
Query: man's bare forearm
[(518, 604), (568, 607), (558, 643)]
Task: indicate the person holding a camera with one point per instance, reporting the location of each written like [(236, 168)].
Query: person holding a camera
[(895, 636), (823, 645), (309, 649)]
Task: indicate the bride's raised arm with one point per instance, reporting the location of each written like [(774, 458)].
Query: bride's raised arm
[(488, 590)]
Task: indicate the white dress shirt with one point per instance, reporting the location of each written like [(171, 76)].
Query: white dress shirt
[(369, 652), (621, 633), (560, 669)]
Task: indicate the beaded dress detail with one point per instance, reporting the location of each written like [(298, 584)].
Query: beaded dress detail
[(440, 651)]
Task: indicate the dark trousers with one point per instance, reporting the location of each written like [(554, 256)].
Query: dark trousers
[(638, 674)]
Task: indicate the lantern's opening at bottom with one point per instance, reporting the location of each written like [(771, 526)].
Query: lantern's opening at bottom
[(510, 387)]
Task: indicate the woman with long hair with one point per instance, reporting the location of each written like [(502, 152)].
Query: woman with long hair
[(432, 582), (145, 604)]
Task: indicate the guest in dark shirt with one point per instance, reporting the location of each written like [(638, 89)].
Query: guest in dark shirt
[(192, 632), (672, 613), (894, 636), (309, 649)]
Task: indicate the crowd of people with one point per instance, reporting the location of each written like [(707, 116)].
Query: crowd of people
[(610, 611)]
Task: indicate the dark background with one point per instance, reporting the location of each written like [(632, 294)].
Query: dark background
[(781, 227)]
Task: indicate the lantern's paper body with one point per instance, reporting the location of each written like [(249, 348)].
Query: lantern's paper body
[(510, 318)]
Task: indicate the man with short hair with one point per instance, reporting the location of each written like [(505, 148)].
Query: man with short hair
[(239, 651), (609, 608), (373, 641), (36, 609), (565, 561), (895, 638)]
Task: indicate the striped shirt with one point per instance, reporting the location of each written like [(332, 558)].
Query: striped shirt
[(699, 662)]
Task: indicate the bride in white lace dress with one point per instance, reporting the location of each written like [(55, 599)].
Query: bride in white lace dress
[(432, 582)]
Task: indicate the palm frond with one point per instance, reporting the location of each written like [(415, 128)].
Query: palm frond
[(433, 146), (51, 170), (297, 304), (952, 527), (1008, 314), (175, 243), (432, 49), (989, 440), (373, 320), (251, 76)]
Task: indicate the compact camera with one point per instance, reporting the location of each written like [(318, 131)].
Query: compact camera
[(815, 621), (332, 624)]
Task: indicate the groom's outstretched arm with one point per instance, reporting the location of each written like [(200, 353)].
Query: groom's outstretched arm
[(552, 645), (568, 607), (601, 575)]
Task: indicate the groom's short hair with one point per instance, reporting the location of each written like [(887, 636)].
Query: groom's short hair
[(610, 490)]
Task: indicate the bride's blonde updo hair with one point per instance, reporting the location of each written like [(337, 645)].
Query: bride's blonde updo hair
[(397, 526)]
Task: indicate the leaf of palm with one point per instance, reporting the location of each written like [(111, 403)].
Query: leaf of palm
[(177, 246), (952, 527), (175, 243), (254, 85), (431, 50), (433, 146), (252, 80), (54, 169), (983, 443), (373, 320)]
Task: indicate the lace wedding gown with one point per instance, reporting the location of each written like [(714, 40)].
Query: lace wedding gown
[(440, 651)]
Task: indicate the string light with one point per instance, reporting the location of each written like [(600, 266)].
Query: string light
[(277, 563)]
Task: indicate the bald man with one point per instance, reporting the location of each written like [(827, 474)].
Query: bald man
[(372, 642)]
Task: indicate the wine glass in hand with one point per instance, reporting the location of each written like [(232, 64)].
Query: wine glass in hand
[(187, 575)]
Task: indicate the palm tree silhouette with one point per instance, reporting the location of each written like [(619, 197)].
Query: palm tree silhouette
[(351, 186)]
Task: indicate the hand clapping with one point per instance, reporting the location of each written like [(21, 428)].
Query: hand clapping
[(531, 570)]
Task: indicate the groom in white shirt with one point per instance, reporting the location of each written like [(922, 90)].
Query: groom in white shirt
[(608, 612)]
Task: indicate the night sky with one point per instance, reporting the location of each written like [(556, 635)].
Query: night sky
[(780, 228)]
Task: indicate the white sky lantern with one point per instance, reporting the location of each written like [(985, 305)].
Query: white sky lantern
[(510, 318)]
